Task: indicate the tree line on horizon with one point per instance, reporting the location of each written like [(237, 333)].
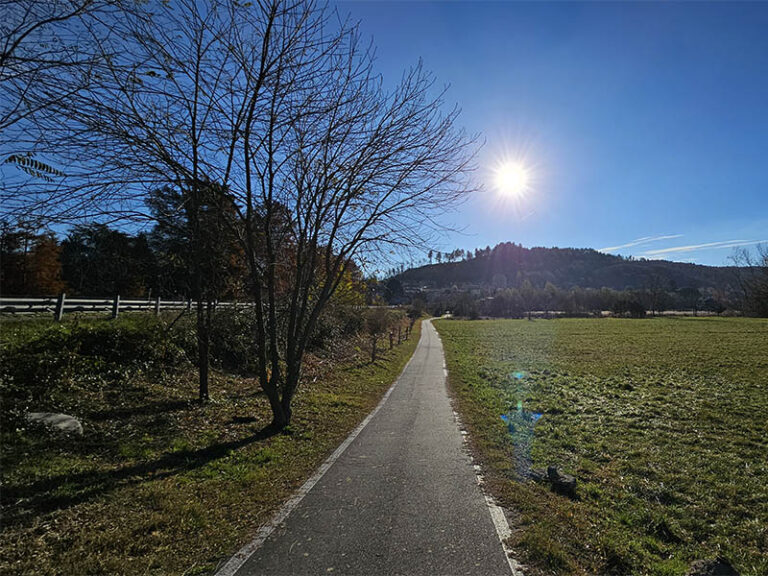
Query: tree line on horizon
[(510, 280), (550, 301), (97, 260)]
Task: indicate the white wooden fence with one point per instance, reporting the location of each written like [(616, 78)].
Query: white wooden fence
[(60, 305)]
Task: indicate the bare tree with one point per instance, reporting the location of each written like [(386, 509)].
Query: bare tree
[(360, 170), (377, 322), (528, 296), (752, 279), (656, 289), (278, 105)]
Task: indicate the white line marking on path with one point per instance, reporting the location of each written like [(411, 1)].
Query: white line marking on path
[(499, 519), (502, 530), (241, 556)]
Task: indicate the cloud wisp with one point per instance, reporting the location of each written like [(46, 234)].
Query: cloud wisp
[(705, 246), (639, 241)]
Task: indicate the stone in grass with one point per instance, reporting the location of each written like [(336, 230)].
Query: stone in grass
[(60, 423), (564, 484), (717, 567)]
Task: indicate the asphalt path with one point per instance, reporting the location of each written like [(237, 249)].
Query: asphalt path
[(402, 498)]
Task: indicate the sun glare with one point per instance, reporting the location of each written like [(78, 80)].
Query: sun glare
[(512, 179)]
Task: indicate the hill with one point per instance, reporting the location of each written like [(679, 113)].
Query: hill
[(509, 264)]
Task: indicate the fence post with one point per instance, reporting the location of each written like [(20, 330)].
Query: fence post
[(157, 306), (59, 312), (116, 306), (189, 304)]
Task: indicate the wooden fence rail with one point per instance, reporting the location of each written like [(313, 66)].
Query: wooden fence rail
[(60, 305)]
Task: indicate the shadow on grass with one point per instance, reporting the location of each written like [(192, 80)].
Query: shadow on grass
[(243, 419), (151, 409), (24, 502)]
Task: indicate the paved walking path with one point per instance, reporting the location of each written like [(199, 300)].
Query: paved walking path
[(402, 499)]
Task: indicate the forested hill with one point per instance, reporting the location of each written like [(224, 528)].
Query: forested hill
[(509, 264)]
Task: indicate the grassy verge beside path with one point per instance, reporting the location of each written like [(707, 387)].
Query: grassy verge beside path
[(160, 484), (664, 422)]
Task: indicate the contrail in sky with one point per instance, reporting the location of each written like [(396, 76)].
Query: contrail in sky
[(638, 241), (713, 245)]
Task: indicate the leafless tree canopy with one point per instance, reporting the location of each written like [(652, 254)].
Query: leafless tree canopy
[(752, 279), (278, 105), (39, 39)]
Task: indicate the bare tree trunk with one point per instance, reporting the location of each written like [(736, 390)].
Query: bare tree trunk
[(291, 385), (280, 417), (203, 346)]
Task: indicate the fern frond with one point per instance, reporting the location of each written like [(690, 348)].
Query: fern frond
[(34, 167)]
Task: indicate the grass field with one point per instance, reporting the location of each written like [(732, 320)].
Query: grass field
[(664, 422), (160, 484)]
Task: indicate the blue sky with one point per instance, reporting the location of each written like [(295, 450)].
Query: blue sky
[(644, 126)]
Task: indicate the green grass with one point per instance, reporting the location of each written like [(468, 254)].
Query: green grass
[(160, 484), (664, 422)]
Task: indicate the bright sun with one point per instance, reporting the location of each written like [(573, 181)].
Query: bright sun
[(512, 179)]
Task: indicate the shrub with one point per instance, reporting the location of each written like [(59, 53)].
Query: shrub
[(232, 339), (78, 355)]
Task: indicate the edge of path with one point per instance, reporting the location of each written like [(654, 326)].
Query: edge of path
[(498, 516)]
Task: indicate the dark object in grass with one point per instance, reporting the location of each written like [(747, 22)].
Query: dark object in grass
[(564, 484), (718, 567), (561, 483)]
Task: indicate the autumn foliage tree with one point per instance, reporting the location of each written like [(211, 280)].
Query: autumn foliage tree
[(30, 262)]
